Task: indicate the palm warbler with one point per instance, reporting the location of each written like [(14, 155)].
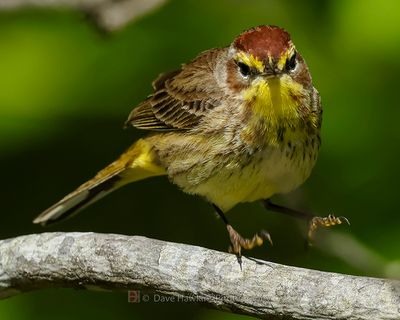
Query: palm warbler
[(236, 124)]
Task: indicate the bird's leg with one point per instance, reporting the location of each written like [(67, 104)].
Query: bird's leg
[(313, 221), (237, 241)]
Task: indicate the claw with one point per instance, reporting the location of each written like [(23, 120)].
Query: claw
[(238, 242), (342, 218), (265, 236), (328, 221)]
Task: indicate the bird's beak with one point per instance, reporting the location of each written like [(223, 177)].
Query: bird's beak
[(272, 73)]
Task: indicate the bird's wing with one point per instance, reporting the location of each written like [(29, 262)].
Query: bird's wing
[(182, 97)]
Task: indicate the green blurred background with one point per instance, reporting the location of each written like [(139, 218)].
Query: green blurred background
[(66, 89)]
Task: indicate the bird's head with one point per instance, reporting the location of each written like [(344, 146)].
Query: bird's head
[(264, 63)]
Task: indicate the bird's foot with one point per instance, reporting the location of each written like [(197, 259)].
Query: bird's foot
[(328, 221), (238, 242)]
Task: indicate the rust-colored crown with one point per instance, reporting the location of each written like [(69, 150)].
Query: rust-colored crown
[(263, 40)]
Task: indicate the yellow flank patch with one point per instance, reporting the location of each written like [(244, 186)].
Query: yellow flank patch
[(146, 159), (251, 61), (141, 162)]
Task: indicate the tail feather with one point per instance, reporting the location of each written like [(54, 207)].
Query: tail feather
[(137, 163), (78, 200)]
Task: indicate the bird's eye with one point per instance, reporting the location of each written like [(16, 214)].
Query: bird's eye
[(291, 63), (244, 69)]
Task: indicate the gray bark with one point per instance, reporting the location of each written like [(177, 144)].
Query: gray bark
[(189, 273)]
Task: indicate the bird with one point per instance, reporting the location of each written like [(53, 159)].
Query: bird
[(236, 124)]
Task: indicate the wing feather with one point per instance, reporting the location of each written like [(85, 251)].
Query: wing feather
[(181, 98)]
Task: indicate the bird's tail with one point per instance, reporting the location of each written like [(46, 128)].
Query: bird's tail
[(137, 163)]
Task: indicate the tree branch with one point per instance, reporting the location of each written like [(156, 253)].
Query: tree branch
[(189, 273), (109, 15)]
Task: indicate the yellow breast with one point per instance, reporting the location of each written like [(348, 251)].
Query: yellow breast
[(286, 147)]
